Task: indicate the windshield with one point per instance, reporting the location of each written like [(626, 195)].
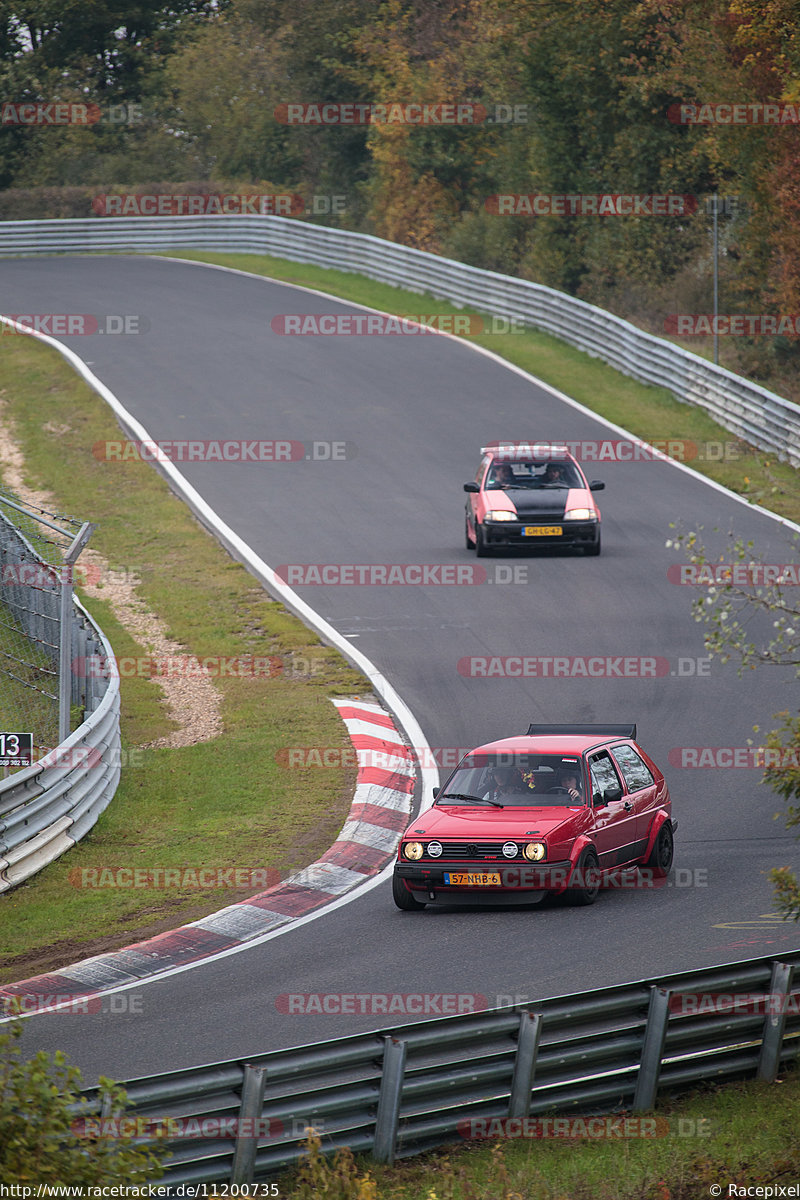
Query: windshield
[(533, 473), (516, 780)]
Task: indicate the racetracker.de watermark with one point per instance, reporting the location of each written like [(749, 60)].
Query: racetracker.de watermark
[(431, 113), (178, 204), (71, 1003), (227, 450), (561, 204), (206, 878), (771, 1004), (743, 758), (73, 324), (387, 325), (40, 575), (733, 325), (736, 574), (604, 1128), (170, 1128), (400, 574), (385, 758), (63, 112), (733, 113), (582, 666), (180, 666), (410, 1004), (620, 450)]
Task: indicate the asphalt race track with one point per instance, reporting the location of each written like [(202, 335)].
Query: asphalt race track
[(416, 410)]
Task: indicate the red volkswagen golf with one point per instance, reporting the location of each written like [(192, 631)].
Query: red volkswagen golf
[(555, 811)]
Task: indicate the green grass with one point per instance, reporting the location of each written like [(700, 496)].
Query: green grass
[(747, 1134), (220, 804), (648, 412)]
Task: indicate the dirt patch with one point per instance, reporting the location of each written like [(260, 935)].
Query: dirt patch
[(192, 701)]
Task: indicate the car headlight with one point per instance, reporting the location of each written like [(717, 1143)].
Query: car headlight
[(435, 849), (580, 514), (535, 851), (501, 514), (413, 850), (511, 849)]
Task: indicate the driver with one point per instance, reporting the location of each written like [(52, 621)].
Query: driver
[(568, 781), (555, 473), (503, 476)]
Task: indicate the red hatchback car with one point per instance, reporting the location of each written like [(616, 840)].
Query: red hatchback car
[(553, 812), (529, 495)]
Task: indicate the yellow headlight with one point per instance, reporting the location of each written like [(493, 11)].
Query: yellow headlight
[(501, 514), (535, 851), (413, 850), (579, 514)]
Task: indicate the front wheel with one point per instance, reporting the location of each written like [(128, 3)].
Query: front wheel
[(481, 545), (467, 538), (588, 872), (660, 860), (402, 896), (594, 549)]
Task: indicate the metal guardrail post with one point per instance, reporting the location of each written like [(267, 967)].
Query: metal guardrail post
[(530, 1030), (244, 1154), (769, 1060), (65, 629), (655, 1036), (388, 1115)]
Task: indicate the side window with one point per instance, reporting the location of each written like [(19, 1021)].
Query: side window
[(637, 774), (603, 773), (481, 469)]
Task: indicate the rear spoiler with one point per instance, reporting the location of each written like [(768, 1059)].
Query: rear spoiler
[(625, 731)]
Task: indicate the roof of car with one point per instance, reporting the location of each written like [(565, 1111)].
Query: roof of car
[(561, 743), (526, 450)]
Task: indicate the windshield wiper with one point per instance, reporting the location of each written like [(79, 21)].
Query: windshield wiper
[(473, 799)]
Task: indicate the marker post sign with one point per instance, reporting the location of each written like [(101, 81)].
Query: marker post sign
[(16, 750)]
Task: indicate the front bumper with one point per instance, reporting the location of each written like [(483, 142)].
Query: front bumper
[(520, 876), (511, 533)]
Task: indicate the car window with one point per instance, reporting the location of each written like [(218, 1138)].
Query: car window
[(481, 469), (603, 772), (637, 774)]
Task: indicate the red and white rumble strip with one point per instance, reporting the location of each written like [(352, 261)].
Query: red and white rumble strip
[(367, 842)]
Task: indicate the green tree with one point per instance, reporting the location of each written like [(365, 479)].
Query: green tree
[(40, 1125), (752, 616)]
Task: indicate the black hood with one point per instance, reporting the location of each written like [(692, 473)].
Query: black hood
[(530, 501)]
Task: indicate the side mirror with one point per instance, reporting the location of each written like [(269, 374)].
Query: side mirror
[(436, 791), (612, 793), (597, 485), (597, 800), (471, 487)]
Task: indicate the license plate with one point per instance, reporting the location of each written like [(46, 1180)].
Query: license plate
[(464, 879), (542, 531)]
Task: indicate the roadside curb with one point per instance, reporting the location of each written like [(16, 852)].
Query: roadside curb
[(367, 842)]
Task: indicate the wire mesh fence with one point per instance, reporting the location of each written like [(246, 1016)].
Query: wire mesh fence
[(33, 543)]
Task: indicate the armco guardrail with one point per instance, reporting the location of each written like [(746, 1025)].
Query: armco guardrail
[(412, 1087), (47, 807), (751, 412)]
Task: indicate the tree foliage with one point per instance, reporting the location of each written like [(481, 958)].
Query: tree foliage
[(752, 616), (40, 1125)]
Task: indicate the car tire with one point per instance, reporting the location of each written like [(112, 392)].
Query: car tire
[(588, 866), (481, 545), (593, 550), (403, 898), (659, 861), (467, 538)]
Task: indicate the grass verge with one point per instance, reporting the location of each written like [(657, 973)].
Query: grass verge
[(648, 412), (746, 1134), (220, 804)]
